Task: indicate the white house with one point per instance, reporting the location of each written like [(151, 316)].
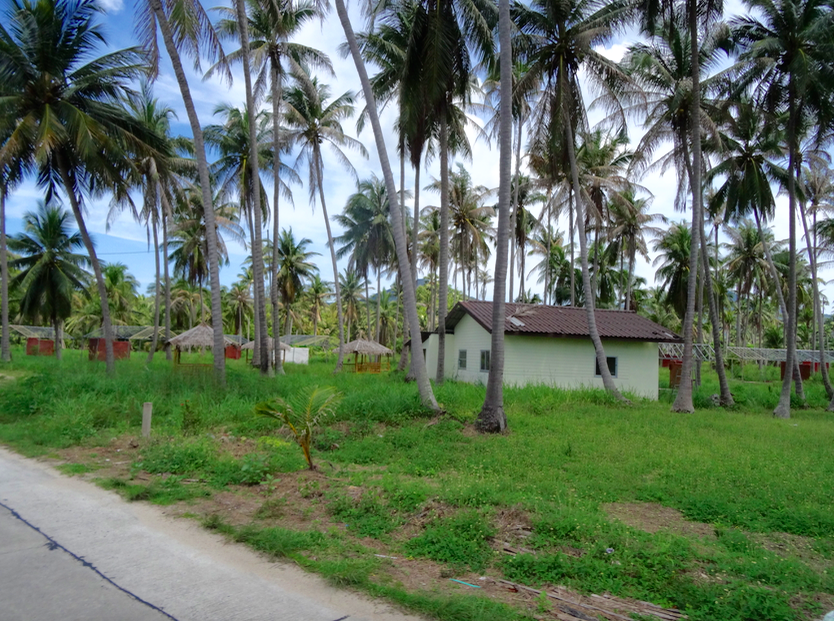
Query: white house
[(551, 345)]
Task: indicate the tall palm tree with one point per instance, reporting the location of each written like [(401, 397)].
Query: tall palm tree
[(63, 107), (122, 293), (397, 219), (233, 170), (238, 304), (294, 267), (784, 47), (524, 225), (673, 248), (9, 176), (663, 72), (368, 238), (318, 293), (271, 25), (630, 223), (351, 284), (492, 418), (50, 269), (561, 38), (313, 121), (185, 26)]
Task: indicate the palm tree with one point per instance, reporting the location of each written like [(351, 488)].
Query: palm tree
[(122, 293), (238, 304), (397, 219), (63, 110), (561, 38), (313, 121), (186, 26), (271, 25), (673, 247), (233, 170), (783, 44), (318, 293), (525, 225), (492, 418), (50, 269), (294, 267), (351, 284), (368, 238), (665, 72), (629, 225), (156, 175)]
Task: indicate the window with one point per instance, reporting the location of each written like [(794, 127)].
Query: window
[(462, 359), (484, 360), (612, 366)]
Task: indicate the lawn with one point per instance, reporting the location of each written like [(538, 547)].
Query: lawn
[(723, 515)]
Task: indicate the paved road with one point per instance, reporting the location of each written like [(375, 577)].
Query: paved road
[(71, 551)]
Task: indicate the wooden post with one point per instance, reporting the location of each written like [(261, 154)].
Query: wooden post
[(147, 412)]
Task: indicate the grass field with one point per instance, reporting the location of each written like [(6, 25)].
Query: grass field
[(725, 515)]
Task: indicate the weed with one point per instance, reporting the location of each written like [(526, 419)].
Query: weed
[(461, 541)]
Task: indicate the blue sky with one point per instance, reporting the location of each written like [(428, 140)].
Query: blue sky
[(126, 241)]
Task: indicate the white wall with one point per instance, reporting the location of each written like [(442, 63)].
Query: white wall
[(298, 355), (564, 362)]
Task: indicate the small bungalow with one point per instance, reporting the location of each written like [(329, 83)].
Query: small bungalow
[(551, 345)]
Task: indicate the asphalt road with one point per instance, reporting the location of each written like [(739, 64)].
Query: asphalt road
[(72, 551)]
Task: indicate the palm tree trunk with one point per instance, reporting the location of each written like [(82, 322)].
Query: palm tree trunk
[(444, 249), (820, 325), (683, 400), (165, 213), (632, 252), (254, 186), (5, 346), (56, 324), (337, 289), (572, 268), (725, 396), (492, 418), (514, 215), (783, 408), (367, 307), (410, 300), (378, 302), (522, 252), (157, 296), (607, 380), (205, 186), (700, 305), (415, 241), (258, 352), (106, 325), (275, 87), (774, 274)]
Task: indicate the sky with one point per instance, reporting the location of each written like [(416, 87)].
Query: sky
[(123, 240)]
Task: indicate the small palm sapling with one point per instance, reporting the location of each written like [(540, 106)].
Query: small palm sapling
[(302, 414)]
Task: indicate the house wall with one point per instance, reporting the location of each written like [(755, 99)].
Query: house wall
[(564, 362)]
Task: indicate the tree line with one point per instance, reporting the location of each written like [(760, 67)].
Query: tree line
[(744, 103)]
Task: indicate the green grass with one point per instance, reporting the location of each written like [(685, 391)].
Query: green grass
[(743, 472)]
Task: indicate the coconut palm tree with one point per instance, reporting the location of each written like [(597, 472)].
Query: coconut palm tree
[(318, 293), (50, 269), (238, 304), (294, 268), (673, 247), (561, 38), (271, 25), (233, 171), (351, 284), (397, 219), (63, 107), (784, 48), (185, 26), (313, 121), (122, 293)]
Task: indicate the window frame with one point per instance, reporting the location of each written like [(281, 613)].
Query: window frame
[(462, 357), (488, 353), (616, 370)]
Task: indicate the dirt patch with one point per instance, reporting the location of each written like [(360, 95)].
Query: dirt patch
[(653, 517), (787, 545)]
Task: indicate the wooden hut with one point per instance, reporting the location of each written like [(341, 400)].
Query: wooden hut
[(201, 336), (368, 356)]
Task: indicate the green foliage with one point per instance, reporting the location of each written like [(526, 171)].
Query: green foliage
[(461, 541), (302, 414), (367, 516)]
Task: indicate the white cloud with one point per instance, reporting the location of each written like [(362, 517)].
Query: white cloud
[(111, 6)]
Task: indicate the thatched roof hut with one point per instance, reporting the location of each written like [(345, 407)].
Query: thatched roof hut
[(366, 348), (198, 336), (270, 344)]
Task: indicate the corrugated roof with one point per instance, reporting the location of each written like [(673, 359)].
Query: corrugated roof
[(538, 319)]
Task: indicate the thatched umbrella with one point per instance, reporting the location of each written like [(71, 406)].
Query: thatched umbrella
[(360, 348), (198, 336)]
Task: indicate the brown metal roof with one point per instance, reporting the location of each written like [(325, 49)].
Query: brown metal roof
[(564, 321)]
